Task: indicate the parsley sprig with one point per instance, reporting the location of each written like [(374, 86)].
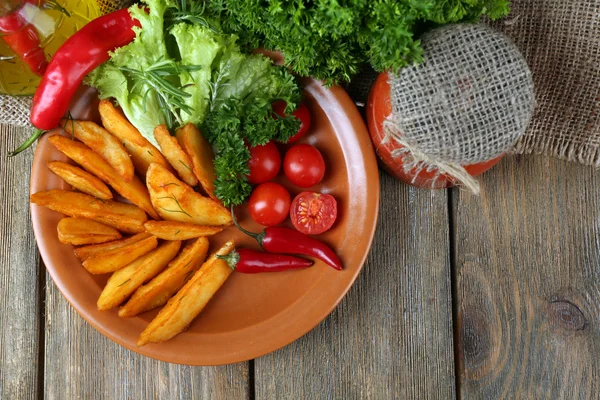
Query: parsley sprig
[(331, 40)]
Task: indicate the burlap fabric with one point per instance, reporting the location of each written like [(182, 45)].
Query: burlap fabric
[(15, 110), (560, 40), (469, 101)]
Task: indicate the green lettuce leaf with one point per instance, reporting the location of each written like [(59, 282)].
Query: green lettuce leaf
[(198, 46), (182, 69)]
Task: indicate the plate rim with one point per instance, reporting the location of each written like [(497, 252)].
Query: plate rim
[(338, 95)]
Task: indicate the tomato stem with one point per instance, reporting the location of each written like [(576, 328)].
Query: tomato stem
[(236, 223)]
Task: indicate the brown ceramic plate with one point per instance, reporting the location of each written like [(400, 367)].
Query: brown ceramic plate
[(251, 315)]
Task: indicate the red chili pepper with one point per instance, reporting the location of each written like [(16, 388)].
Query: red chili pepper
[(276, 239), (80, 54), (23, 40), (251, 262)]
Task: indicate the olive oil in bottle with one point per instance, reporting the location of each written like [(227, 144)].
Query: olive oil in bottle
[(52, 21)]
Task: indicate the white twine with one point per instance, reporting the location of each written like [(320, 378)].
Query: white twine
[(414, 159), (469, 101)]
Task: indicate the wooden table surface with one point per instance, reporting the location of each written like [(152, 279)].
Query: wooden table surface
[(495, 296)]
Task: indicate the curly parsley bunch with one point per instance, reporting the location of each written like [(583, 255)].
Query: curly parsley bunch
[(331, 39)]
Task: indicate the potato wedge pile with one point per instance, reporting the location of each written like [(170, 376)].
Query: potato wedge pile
[(154, 243)]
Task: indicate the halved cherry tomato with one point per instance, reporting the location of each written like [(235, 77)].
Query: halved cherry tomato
[(379, 108), (301, 113), (265, 162), (269, 203), (304, 165), (313, 213)]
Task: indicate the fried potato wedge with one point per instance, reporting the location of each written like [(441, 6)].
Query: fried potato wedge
[(126, 280), (143, 153), (176, 201), (85, 252), (119, 258), (173, 230), (160, 289), (78, 231), (200, 152), (124, 217), (134, 191), (190, 300), (81, 180), (102, 142), (173, 152)]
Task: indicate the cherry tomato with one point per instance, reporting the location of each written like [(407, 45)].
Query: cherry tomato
[(379, 108), (304, 165), (269, 203), (265, 162), (301, 113), (313, 213)]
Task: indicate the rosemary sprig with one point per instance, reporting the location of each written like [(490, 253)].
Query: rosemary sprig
[(218, 83), (160, 77), (192, 12)]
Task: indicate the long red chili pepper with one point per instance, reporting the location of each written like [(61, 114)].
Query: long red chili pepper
[(276, 239), (23, 40), (80, 54), (249, 261)]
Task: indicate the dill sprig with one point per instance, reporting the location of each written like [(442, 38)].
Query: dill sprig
[(181, 210), (190, 272), (186, 166), (124, 282)]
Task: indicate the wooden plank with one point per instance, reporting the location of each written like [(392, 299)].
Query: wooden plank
[(80, 363), (391, 337), (528, 282), (19, 285)]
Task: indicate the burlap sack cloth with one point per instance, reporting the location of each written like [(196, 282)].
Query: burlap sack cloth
[(561, 42)]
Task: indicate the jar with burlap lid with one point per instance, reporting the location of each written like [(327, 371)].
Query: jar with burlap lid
[(453, 116)]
